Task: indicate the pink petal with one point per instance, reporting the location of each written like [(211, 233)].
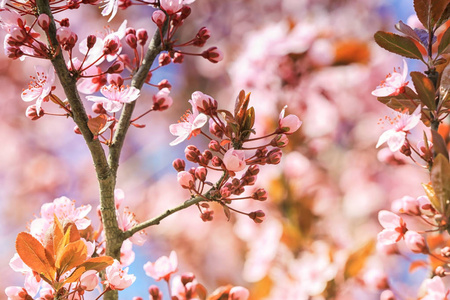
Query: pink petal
[(388, 236), (383, 91), (31, 94), (388, 219), (396, 140), (384, 137)]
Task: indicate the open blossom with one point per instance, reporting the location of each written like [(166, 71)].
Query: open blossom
[(118, 278), (40, 87), (394, 83), (115, 97), (435, 289), (234, 160), (401, 124), (17, 293), (163, 267), (288, 124), (394, 227), (190, 125), (173, 6), (162, 100)]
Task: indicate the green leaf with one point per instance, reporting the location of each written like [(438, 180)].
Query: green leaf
[(440, 179), (425, 89), (439, 144), (445, 43), (398, 44)]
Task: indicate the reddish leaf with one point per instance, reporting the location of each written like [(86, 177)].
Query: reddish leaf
[(33, 255), (425, 89), (398, 44), (73, 255), (429, 191), (409, 100), (99, 124), (444, 43), (417, 264), (221, 293), (408, 31), (439, 144), (357, 260), (96, 263), (437, 9)]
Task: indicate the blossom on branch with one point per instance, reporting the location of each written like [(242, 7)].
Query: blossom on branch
[(394, 227), (401, 124), (115, 97), (163, 267), (40, 87), (394, 84), (118, 278), (190, 125)]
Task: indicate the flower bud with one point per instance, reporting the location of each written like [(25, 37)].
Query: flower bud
[(164, 84), (288, 124), (116, 68), (111, 45), (410, 206), (131, 40), (158, 17), (280, 140), (234, 160), (213, 54), (207, 215), (185, 179), (64, 22), (216, 161), (148, 77), (142, 36), (238, 293), (200, 173), (252, 170), (406, 150), (215, 129), (162, 100), (440, 271), (76, 130), (274, 156), (179, 164), (257, 216), (192, 153), (214, 145), (33, 114), (204, 103), (387, 295), (43, 21), (260, 195), (115, 79), (13, 52), (185, 12), (178, 58), (416, 242), (91, 40), (164, 59), (187, 277), (124, 4), (155, 293), (202, 36), (97, 108), (130, 30)]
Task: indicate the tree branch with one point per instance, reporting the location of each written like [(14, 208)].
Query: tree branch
[(154, 48), (157, 220)]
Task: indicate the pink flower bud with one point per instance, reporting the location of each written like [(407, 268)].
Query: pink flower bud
[(185, 12), (387, 295), (185, 179), (179, 164), (17, 292), (202, 36), (238, 293), (214, 145), (162, 100), (260, 195), (43, 21), (116, 68), (204, 103), (124, 4), (192, 153), (89, 280), (225, 191), (164, 84), (216, 161), (257, 216), (215, 129), (207, 215), (252, 170), (158, 17), (114, 79), (164, 59), (416, 242), (376, 279), (77, 130), (142, 36), (155, 293), (64, 22), (63, 34), (178, 58), (111, 45), (171, 6), (13, 52), (274, 156), (410, 206), (213, 54), (289, 124), (280, 140), (97, 108), (200, 173), (131, 40), (33, 114), (234, 160), (130, 30), (91, 40)]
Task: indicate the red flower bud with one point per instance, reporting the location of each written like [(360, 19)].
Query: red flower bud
[(33, 114), (179, 164)]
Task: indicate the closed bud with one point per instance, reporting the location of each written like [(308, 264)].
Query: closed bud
[(13, 52), (274, 156), (249, 180), (260, 194), (33, 114), (213, 54), (280, 140), (215, 129), (257, 216), (252, 170), (142, 36), (116, 68), (179, 164), (111, 45), (440, 271), (158, 17), (43, 21), (200, 173), (64, 22), (162, 100), (207, 154), (416, 242), (192, 153), (185, 12), (115, 79), (91, 40), (207, 215), (155, 293), (406, 150), (216, 161), (164, 59), (76, 130), (178, 58), (164, 84), (98, 108), (187, 277), (131, 40), (185, 179), (214, 145), (202, 36), (130, 30)]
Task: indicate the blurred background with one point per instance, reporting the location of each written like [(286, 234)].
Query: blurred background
[(318, 238)]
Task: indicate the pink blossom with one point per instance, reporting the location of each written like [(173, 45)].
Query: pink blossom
[(204, 103), (185, 179), (401, 124), (118, 278), (127, 254), (127, 220), (394, 227), (89, 280), (288, 124), (40, 87), (415, 242), (9, 19), (163, 267), (115, 97), (213, 54), (394, 83), (16, 293), (435, 289), (190, 125), (162, 100), (410, 205), (238, 293), (234, 160), (110, 7), (173, 6), (185, 290), (158, 17)]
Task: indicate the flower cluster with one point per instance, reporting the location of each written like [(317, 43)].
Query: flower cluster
[(227, 153)]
